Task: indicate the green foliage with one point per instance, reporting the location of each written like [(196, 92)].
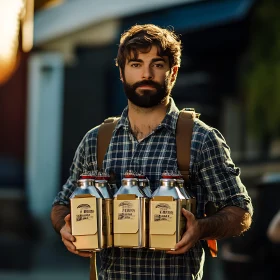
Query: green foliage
[(262, 81)]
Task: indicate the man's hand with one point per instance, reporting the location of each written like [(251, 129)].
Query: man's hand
[(191, 235), (68, 238), (229, 221)]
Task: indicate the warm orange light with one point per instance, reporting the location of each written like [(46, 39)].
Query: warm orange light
[(28, 26), (12, 12)]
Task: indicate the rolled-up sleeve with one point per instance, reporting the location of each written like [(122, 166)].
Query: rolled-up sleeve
[(218, 174)]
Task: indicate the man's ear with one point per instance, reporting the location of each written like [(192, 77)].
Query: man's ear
[(174, 72), (121, 74)]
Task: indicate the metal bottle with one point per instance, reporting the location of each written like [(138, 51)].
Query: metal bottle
[(86, 185), (190, 199), (111, 183), (144, 184), (101, 184), (167, 223), (86, 215), (130, 221)]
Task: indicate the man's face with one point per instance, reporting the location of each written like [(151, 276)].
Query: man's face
[(147, 79)]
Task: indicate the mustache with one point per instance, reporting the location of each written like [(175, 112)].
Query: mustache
[(147, 83)]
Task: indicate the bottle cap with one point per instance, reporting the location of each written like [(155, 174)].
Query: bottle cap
[(129, 174)]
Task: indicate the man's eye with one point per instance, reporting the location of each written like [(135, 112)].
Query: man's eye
[(135, 65), (158, 65)]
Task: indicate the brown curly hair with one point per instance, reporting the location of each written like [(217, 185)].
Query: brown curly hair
[(143, 37)]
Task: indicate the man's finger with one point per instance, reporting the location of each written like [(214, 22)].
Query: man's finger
[(187, 213), (182, 250), (85, 254), (67, 218)]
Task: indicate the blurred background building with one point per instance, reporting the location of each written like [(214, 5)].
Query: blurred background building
[(67, 84)]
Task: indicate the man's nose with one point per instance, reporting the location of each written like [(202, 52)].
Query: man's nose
[(147, 73)]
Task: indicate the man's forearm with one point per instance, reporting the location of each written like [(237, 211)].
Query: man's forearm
[(228, 222), (58, 214)]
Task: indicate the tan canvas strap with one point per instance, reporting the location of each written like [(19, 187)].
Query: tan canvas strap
[(183, 145), (103, 140), (104, 137), (184, 130)]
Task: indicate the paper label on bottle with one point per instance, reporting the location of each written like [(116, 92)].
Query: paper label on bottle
[(83, 216), (163, 217), (126, 216)]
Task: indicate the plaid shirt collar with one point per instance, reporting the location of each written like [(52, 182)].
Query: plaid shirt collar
[(169, 122)]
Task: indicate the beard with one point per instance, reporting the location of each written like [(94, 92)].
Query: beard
[(148, 98)]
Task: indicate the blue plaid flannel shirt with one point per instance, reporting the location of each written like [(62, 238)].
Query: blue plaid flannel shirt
[(216, 179)]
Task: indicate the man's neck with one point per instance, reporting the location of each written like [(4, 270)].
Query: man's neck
[(144, 121)]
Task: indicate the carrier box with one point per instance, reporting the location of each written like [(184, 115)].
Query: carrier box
[(86, 222)]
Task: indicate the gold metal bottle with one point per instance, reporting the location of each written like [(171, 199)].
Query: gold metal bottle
[(190, 198), (130, 219), (144, 184), (86, 215), (167, 223), (101, 184)]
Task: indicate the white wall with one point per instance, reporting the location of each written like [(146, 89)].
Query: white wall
[(44, 132)]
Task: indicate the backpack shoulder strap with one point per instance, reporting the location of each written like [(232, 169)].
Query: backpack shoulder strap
[(183, 145), (184, 130), (104, 137)]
